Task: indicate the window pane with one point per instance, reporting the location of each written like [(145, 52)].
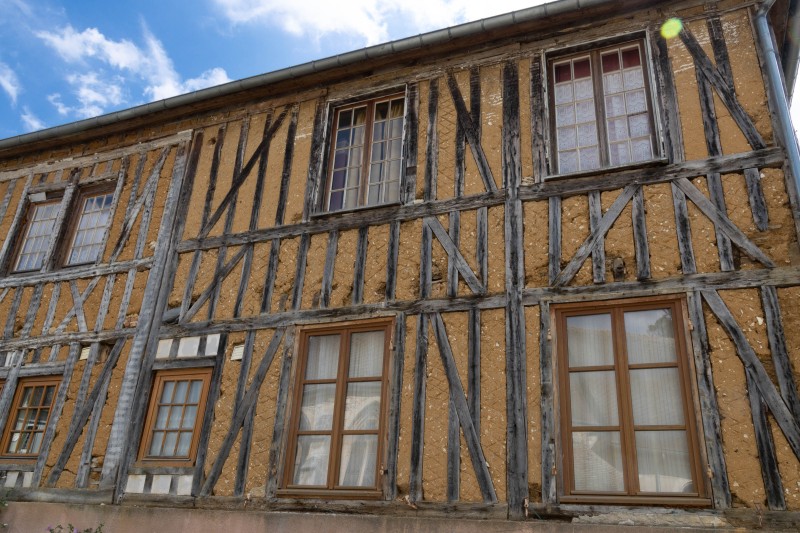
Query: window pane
[(359, 457), (589, 340), (636, 102), (563, 93), (94, 218), (175, 415), (597, 461), (155, 444), (634, 78), (567, 138), (161, 418), (582, 68), (611, 62), (656, 397), (584, 89), (641, 150), (587, 135), (311, 460), (181, 389), (639, 126), (650, 336), (590, 158), (362, 406), (189, 414), (323, 357), (593, 398), (37, 236), (366, 354), (170, 441), (316, 412), (194, 392), (565, 115), (568, 161), (563, 72), (663, 460), (184, 443), (166, 395), (631, 58)]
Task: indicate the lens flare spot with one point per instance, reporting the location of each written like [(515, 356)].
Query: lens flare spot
[(671, 28)]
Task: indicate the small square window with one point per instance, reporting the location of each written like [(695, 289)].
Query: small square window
[(177, 405), (28, 417), (366, 154), (601, 109), (338, 424)]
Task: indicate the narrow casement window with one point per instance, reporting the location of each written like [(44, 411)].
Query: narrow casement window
[(28, 418), (366, 156), (37, 237), (626, 405), (338, 422), (93, 219), (602, 109), (177, 404)]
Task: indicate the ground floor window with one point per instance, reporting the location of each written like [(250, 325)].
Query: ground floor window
[(28, 418), (338, 420), (628, 427)]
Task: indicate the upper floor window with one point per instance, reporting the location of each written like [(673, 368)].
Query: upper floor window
[(338, 424), (366, 154), (28, 417), (628, 427), (93, 218), (79, 236), (177, 404), (602, 110), (38, 234)]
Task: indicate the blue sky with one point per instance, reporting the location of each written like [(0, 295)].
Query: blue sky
[(63, 61)]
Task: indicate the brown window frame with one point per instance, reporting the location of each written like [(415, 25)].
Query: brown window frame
[(159, 378), (74, 217), (345, 329), (22, 385), (594, 52), (22, 235), (363, 194), (692, 424)]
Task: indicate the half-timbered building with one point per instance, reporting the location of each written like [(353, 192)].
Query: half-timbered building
[(539, 266)]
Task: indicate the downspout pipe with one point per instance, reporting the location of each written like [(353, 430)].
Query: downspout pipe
[(766, 43)]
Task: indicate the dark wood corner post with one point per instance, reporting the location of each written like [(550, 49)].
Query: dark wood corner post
[(155, 298), (517, 433)]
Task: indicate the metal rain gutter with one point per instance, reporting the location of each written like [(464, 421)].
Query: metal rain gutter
[(791, 51), (313, 67), (766, 42)]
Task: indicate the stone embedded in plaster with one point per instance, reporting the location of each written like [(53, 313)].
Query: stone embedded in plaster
[(164, 346), (188, 346), (185, 485), (135, 484), (27, 479), (161, 484), (11, 479), (212, 344)]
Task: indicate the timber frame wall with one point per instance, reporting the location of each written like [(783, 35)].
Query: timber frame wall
[(216, 233)]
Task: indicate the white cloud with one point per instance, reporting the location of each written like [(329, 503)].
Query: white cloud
[(30, 121), (9, 82), (114, 65), (368, 19)]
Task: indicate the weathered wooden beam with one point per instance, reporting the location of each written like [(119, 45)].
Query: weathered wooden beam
[(274, 469), (286, 172), (639, 223), (538, 143), (599, 252), (396, 391), (605, 223), (300, 271), (219, 276), (778, 349), (458, 397), (83, 411), (458, 259), (77, 305), (755, 194), (771, 157), (328, 270), (709, 408), (392, 254), (718, 81), (269, 282), (78, 272), (767, 458), (779, 277), (547, 407), (554, 239), (245, 443), (408, 179), (671, 131), (722, 221), (55, 413), (314, 176), (418, 411), (248, 402), (432, 147), (472, 133), (129, 412), (240, 176), (16, 225), (780, 411), (360, 265)]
